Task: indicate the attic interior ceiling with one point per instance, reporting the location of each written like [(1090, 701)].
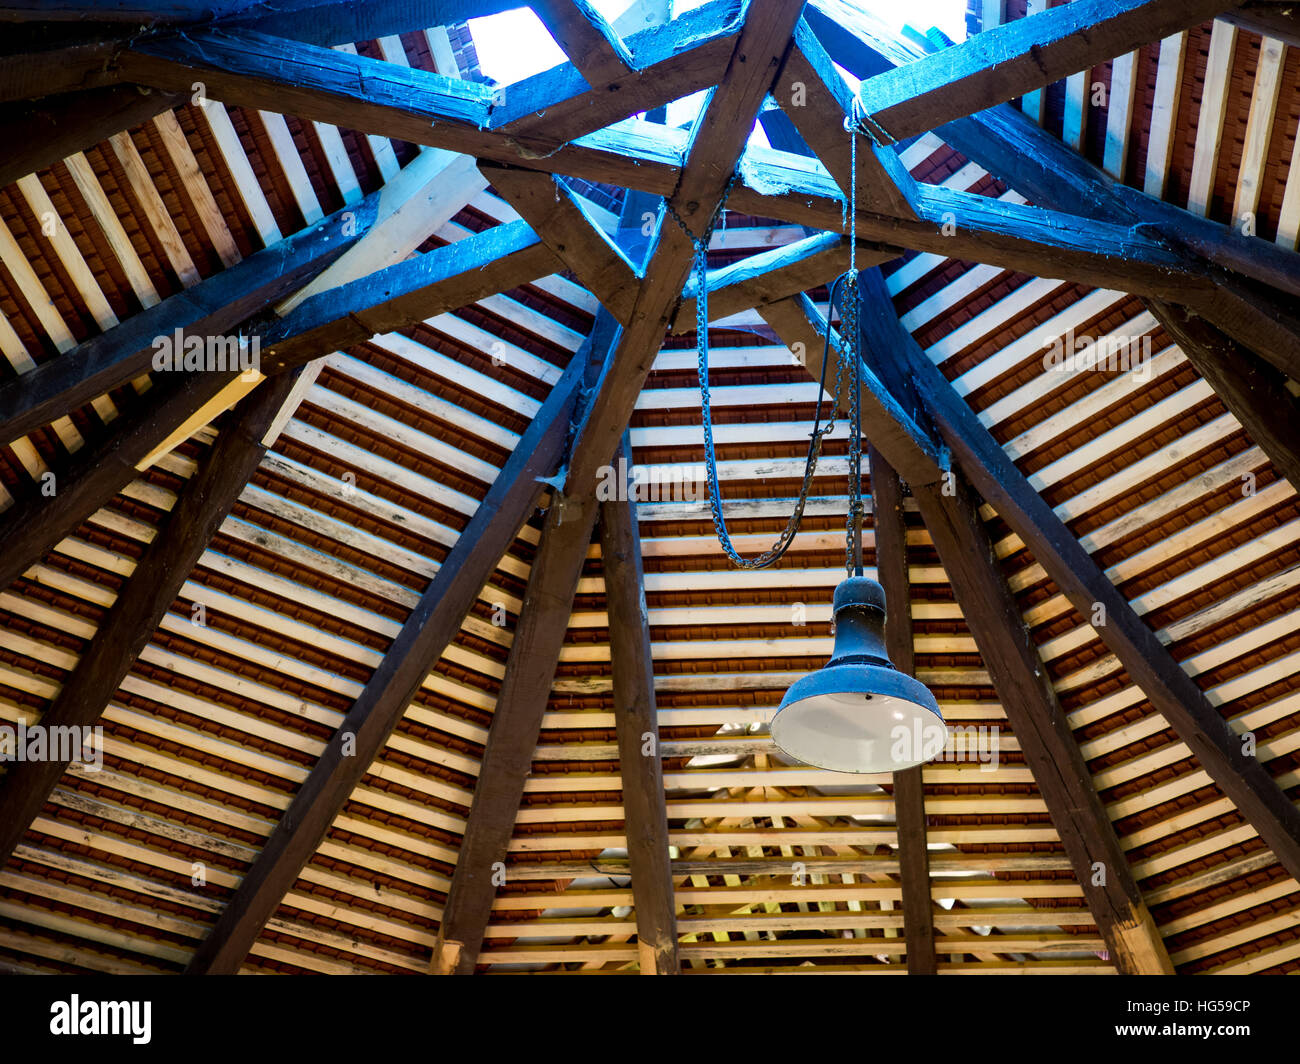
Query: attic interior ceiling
[(373, 666)]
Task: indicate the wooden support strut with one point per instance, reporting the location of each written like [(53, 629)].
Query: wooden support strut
[(1149, 663), (430, 626), (636, 720), (149, 592), (890, 529), (520, 706)]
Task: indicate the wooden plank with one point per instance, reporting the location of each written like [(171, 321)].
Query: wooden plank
[(41, 132), (1209, 123), (196, 187), (890, 526), (1164, 112), (568, 229), (1034, 103), (1150, 665), (154, 585), (1259, 127), (419, 288), (645, 808), (428, 629), (210, 308), (1017, 58), (586, 38), (1119, 114)]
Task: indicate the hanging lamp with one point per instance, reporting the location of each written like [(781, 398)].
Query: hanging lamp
[(857, 713)]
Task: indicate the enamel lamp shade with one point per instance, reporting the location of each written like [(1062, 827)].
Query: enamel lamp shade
[(858, 713)]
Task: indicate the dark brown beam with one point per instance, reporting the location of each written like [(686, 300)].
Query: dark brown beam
[(547, 204), (1254, 391), (99, 470), (890, 526), (682, 56), (1023, 55), (520, 707), (516, 723), (432, 624), (449, 277), (213, 307), (1280, 21), (817, 100), (636, 719), (43, 132), (149, 592), (1148, 662), (586, 38), (425, 108), (719, 139), (1026, 694), (771, 276)]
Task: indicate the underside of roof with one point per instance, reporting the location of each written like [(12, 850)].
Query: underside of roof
[(379, 680)]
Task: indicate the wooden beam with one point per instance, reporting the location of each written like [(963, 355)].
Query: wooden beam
[(447, 278), (1148, 662), (1017, 58), (1209, 122), (771, 276), (1026, 694), (683, 56), (814, 96), (890, 527), (521, 704), (88, 479), (425, 195), (212, 307), (428, 629), (636, 720), (565, 225), (1254, 391), (586, 38), (1268, 19), (153, 586), (516, 723), (41, 132)]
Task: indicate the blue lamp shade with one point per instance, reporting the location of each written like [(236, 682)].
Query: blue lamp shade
[(858, 713)]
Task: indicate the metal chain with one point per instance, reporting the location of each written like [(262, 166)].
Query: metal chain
[(844, 292)]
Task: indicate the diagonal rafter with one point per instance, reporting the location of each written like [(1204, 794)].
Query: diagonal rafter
[(587, 39), (431, 625), (1026, 694), (1148, 662), (645, 807), (1018, 57), (81, 484), (156, 581), (559, 218), (717, 143), (212, 307), (812, 93), (517, 719), (890, 529)]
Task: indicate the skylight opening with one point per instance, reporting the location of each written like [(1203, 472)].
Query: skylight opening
[(514, 45)]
